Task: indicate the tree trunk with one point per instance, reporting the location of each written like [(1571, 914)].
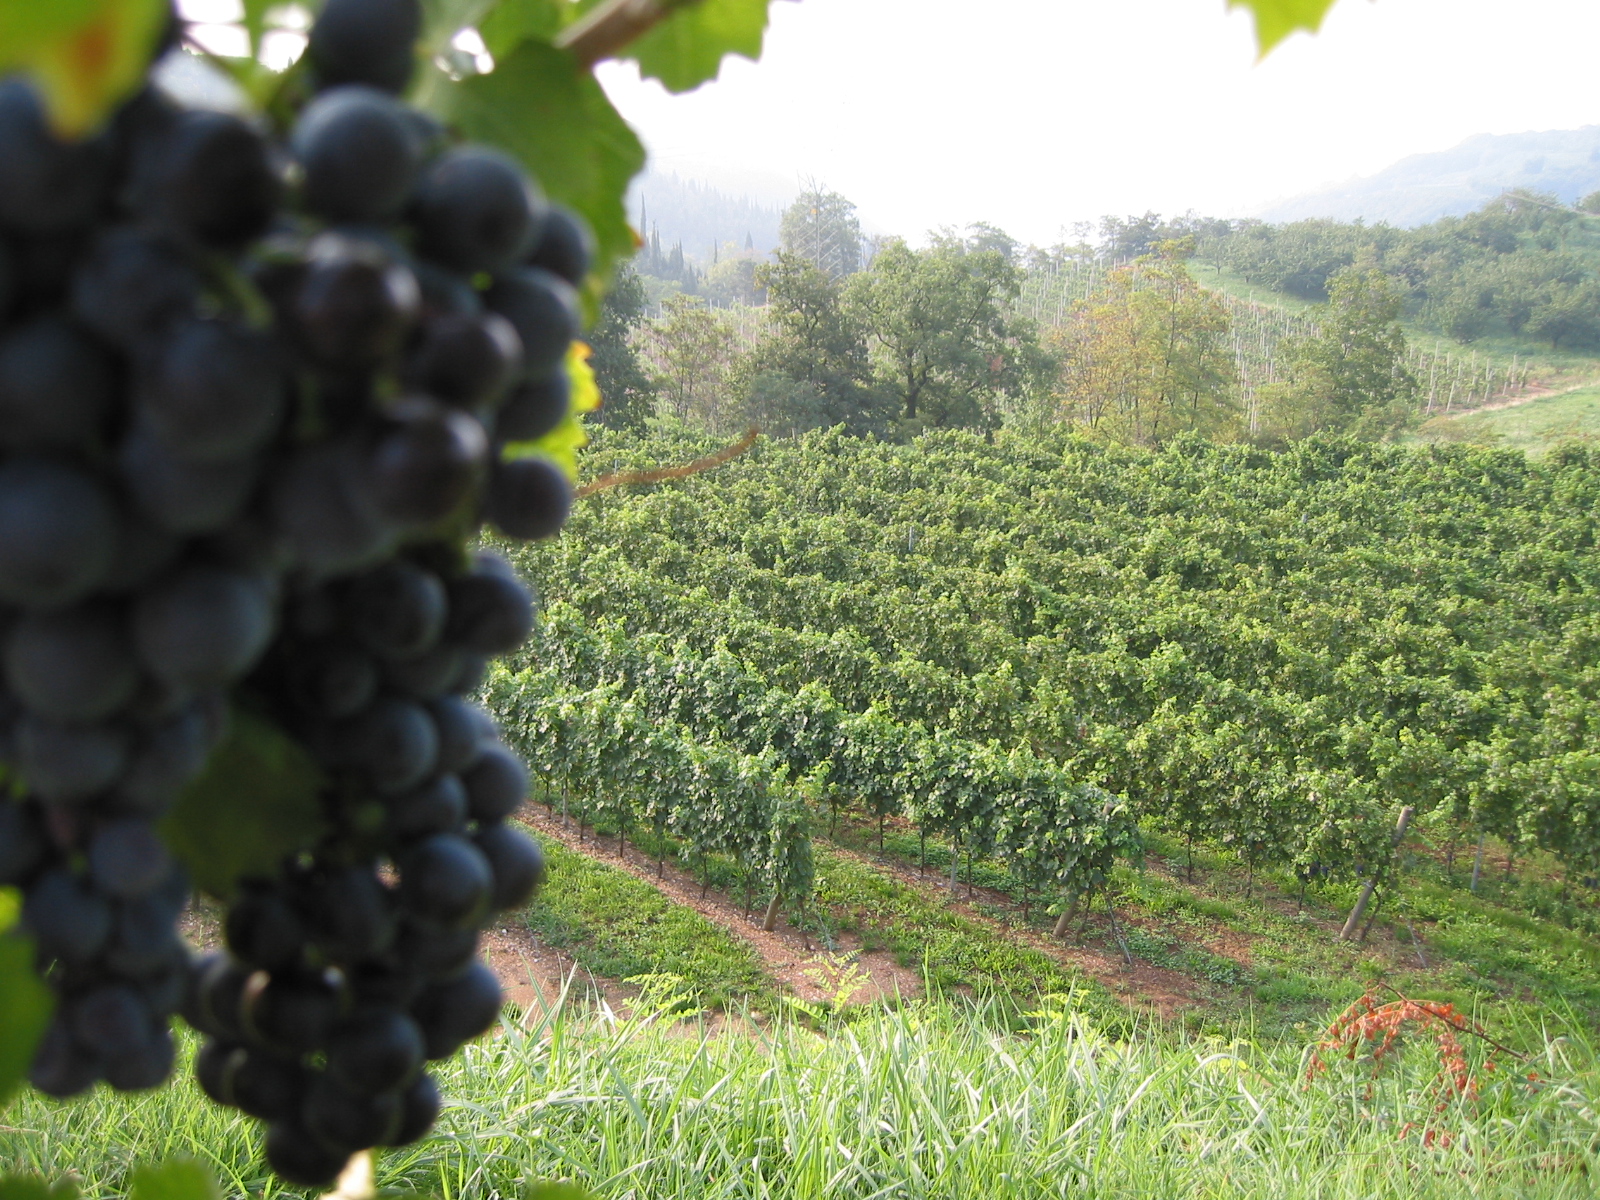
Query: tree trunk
[(955, 864), (1116, 931), (1477, 864), (1065, 919), (770, 921), (922, 850), (1365, 898), (882, 817)]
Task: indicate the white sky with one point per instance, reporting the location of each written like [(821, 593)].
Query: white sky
[(1034, 114)]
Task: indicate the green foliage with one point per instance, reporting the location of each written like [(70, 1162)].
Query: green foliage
[(687, 48), (619, 927), (627, 395), (175, 1179), (820, 227), (254, 804), (25, 1002), (36, 1187)]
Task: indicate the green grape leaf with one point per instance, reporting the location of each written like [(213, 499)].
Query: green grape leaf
[(36, 1187), (516, 21), (84, 55), (178, 1179), (540, 106), (1277, 19), (25, 1006), (255, 804), (687, 48)]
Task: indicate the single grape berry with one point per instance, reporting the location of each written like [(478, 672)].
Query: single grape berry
[(456, 1010), (393, 744), (45, 183), (543, 309), (217, 394), (517, 862), (57, 531), (398, 610), (490, 610), (565, 247), (353, 308), (465, 359), (476, 210), (66, 763), (438, 806), (134, 286), (529, 498), (496, 784), (366, 41), (359, 153), (57, 386), (376, 1050), (425, 466), (461, 735), (128, 859), (215, 180), (73, 664), (419, 1109), (179, 495), (300, 1159), (203, 626), (534, 408), (445, 880)]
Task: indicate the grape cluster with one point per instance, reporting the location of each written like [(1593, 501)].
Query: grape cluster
[(255, 386)]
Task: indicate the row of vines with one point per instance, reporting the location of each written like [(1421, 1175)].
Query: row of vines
[(1267, 652)]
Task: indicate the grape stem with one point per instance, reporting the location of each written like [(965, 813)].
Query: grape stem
[(356, 1181), (613, 25)]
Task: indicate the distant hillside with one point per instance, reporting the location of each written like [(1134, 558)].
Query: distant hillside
[(1454, 182), (700, 217)]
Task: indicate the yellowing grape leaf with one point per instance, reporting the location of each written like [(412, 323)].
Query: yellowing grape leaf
[(1277, 19), (85, 55), (256, 803), (687, 48)]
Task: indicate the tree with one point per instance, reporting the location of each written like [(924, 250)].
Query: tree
[(1146, 357), (940, 337), (690, 351), (814, 345), (627, 394), (1350, 376), (821, 227)]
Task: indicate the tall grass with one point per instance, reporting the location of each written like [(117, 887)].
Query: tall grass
[(936, 1100)]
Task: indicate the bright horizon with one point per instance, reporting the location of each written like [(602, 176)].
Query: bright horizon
[(1036, 115)]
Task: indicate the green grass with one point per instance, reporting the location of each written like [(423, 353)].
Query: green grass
[(617, 926), (1534, 427), (939, 1101)]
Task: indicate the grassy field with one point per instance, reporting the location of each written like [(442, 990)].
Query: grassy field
[(1534, 427), (944, 1100)]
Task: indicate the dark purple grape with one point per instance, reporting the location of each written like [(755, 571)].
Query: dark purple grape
[(69, 921), (436, 953), (565, 247), (353, 307), (491, 611), (58, 529), (457, 1010), (203, 626), (267, 1086), (375, 1050), (181, 496), (264, 930), (56, 387), (213, 178), (143, 1067), (496, 784), (366, 41), (110, 1020), (349, 914), (74, 664), (23, 844), (534, 408), (359, 153), (67, 763), (419, 1109), (127, 858), (397, 611), (543, 309), (517, 862), (133, 287), (144, 550), (214, 1066), (426, 465), (291, 1014), (349, 1121), (61, 1067), (334, 680), (428, 676), (461, 733), (144, 943), (322, 509), (438, 806), (164, 760), (217, 394), (476, 210), (298, 1158), (465, 359), (215, 998), (529, 498), (45, 183), (445, 880), (393, 744)]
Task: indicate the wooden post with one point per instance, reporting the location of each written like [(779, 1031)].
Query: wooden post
[(1365, 898), (1477, 864)]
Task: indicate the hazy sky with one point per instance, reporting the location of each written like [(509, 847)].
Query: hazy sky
[(1034, 114)]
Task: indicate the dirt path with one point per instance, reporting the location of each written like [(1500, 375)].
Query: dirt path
[(788, 955)]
